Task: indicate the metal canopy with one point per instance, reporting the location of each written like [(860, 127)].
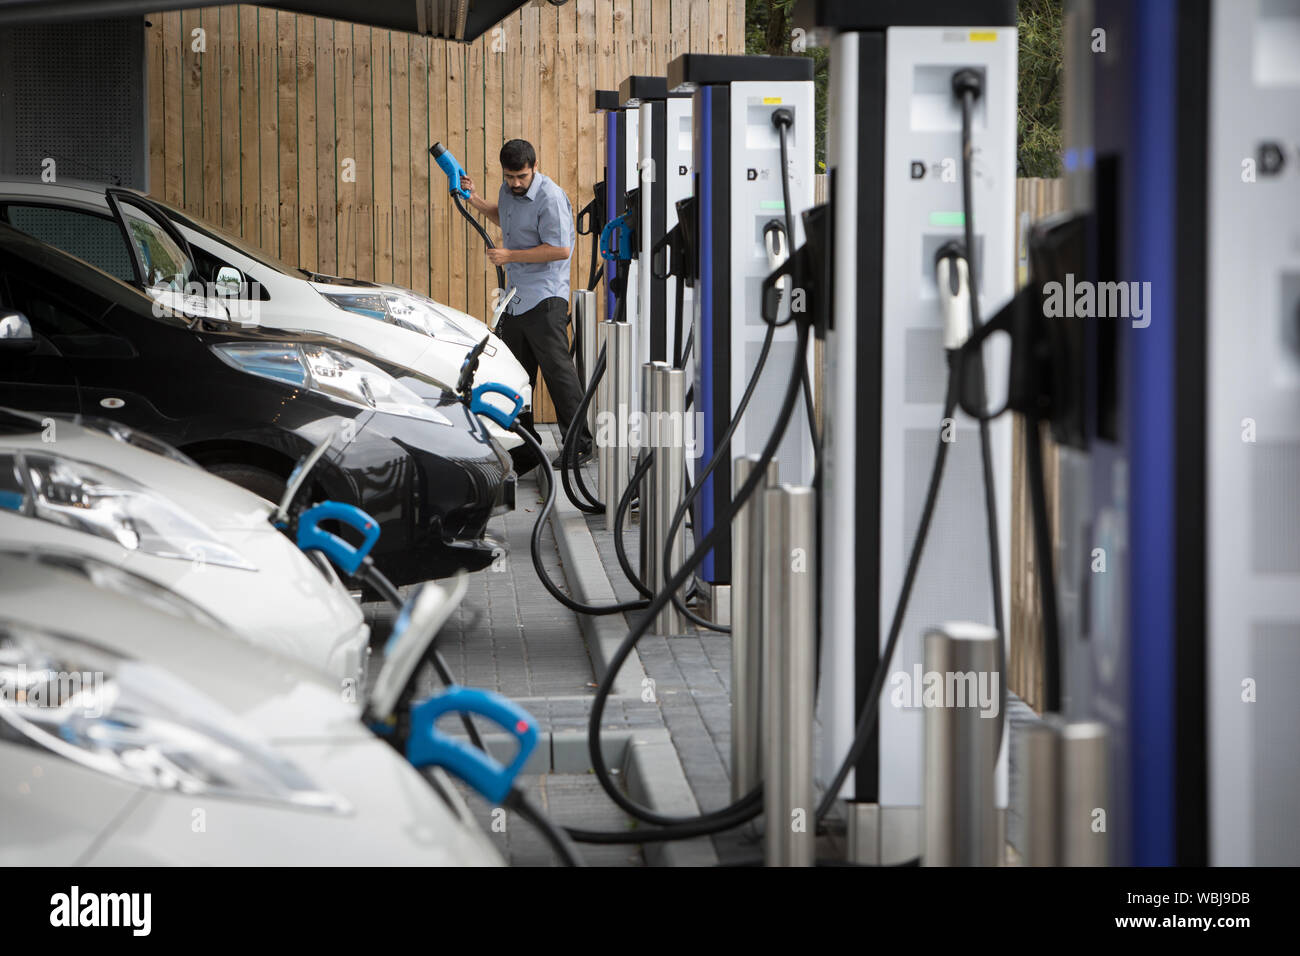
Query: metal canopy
[(463, 20)]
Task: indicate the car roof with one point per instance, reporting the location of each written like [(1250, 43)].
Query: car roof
[(33, 186)]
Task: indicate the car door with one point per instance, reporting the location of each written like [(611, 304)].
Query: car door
[(38, 379)]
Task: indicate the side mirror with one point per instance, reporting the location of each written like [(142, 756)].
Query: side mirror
[(229, 281), (16, 332)]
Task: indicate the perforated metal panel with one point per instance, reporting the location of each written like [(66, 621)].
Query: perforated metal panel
[(74, 93)]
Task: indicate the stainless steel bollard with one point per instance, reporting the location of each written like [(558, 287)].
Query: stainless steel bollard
[(585, 314), (747, 629), (668, 488), (620, 343), (1085, 789), (600, 435), (1038, 755), (650, 400), (961, 747), (1064, 783), (789, 655)]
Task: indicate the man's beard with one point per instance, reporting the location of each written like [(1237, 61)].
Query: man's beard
[(519, 190)]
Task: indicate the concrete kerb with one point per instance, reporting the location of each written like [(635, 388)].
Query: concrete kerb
[(654, 773)]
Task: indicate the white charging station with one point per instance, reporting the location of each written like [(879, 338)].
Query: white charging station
[(738, 189), (895, 157)]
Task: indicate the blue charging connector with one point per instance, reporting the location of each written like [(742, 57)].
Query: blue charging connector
[(312, 537), (426, 747), (454, 170), (616, 240), (479, 406)]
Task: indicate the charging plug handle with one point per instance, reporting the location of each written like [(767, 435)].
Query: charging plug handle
[(967, 81)]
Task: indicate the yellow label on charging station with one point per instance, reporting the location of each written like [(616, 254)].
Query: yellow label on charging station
[(987, 36), (771, 101)]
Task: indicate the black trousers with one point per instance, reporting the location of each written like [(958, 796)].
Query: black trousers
[(537, 338)]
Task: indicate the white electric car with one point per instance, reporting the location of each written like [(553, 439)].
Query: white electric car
[(402, 329), (129, 501), (132, 733)]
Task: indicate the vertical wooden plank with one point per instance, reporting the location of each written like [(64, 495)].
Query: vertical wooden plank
[(229, 119), (345, 133), (736, 26), (568, 144), (604, 36), (642, 37), (400, 57), (250, 191), (382, 136), (680, 19), (286, 98), (590, 158), (192, 104), (440, 207), (173, 187), (530, 119), (418, 117), (494, 55), (327, 169), (699, 27), (623, 32), (209, 60), (308, 139), (363, 140), (456, 245), (476, 268), (679, 16), (269, 200), (718, 26), (154, 51)]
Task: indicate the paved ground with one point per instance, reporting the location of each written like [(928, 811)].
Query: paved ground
[(512, 636)]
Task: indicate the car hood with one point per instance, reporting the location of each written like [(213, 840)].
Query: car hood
[(217, 503), (278, 699)]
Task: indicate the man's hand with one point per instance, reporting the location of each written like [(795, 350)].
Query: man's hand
[(467, 183), (478, 203), (499, 257)]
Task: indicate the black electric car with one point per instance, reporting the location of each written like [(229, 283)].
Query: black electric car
[(246, 403)]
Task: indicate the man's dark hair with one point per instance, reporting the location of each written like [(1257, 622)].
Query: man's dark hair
[(518, 154)]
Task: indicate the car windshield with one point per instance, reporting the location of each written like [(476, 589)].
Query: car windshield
[(165, 265), (220, 235)]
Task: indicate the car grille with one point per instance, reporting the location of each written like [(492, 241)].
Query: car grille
[(486, 475)]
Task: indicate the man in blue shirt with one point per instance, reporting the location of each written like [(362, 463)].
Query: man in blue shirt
[(536, 223)]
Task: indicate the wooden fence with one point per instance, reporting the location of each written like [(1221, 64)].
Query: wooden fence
[(309, 137)]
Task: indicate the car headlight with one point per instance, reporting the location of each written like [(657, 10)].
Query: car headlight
[(129, 436), (138, 723), (107, 504), (337, 375), (409, 311), (110, 577)]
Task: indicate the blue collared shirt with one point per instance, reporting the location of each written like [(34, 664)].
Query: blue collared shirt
[(542, 215)]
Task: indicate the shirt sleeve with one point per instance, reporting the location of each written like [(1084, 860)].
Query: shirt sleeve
[(555, 221)]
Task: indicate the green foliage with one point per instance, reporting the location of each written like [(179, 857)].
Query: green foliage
[(1038, 125), (1038, 134), (768, 31)]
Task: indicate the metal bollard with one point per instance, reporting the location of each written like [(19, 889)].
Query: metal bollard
[(1038, 755), (649, 566), (747, 629), (1063, 783), (619, 341), (668, 488), (961, 747), (600, 436), (1085, 789), (584, 326), (789, 658)]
